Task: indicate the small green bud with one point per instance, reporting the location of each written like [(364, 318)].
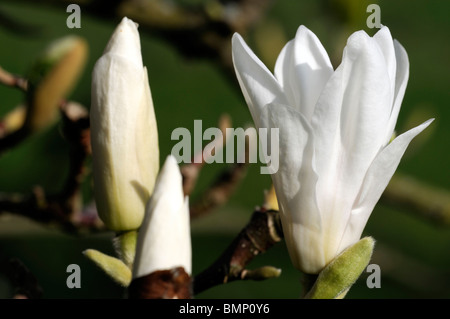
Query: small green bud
[(261, 273), (342, 272)]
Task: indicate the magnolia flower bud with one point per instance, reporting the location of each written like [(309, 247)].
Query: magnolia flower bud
[(335, 128), (123, 131), (164, 240), (52, 78)]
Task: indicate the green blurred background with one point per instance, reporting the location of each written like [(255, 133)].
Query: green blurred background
[(413, 253)]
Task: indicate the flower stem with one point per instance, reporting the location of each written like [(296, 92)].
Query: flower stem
[(125, 244)]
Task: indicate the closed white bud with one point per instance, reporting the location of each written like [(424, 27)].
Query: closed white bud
[(164, 240), (123, 131)]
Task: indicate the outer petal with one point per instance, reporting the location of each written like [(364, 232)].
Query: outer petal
[(257, 83), (375, 182), (295, 186), (401, 81), (146, 136), (349, 124), (283, 70), (384, 40), (303, 68), (164, 240)]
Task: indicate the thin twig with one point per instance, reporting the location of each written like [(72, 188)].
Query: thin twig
[(220, 191), (9, 139), (260, 234), (224, 185), (191, 171), (14, 81), (60, 208), (200, 31)]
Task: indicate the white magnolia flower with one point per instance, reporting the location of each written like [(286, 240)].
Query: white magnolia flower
[(123, 131), (335, 127), (164, 240)]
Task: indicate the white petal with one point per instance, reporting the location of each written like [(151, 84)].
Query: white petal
[(384, 40), (146, 139), (125, 42), (284, 72), (401, 81), (284, 64), (258, 84), (164, 237), (295, 186), (305, 245), (303, 68), (349, 125), (382, 169), (375, 182)]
